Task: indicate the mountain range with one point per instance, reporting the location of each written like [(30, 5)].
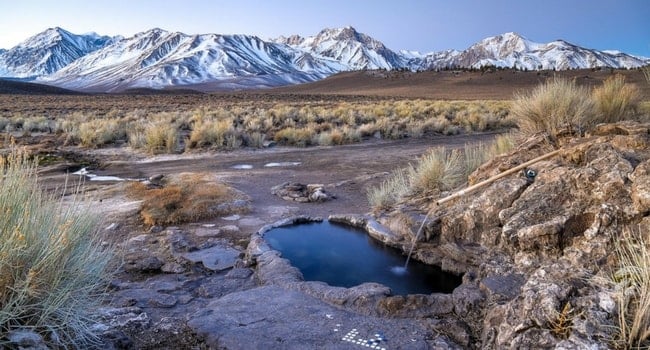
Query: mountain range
[(160, 59)]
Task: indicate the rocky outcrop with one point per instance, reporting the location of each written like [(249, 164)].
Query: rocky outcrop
[(537, 249), (297, 192)]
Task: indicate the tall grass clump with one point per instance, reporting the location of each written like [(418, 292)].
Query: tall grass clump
[(615, 100), (161, 137), (437, 170), (633, 289), (555, 107), (477, 155), (390, 191), (52, 265)]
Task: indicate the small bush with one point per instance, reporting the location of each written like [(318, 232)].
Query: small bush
[(211, 133), (53, 265), (555, 107), (161, 138), (615, 100), (189, 197), (294, 137), (100, 132)]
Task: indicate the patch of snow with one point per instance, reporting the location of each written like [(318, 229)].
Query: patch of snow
[(281, 164), (243, 166)]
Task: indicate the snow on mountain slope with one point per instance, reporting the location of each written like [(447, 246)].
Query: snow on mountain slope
[(47, 52), (353, 50), (158, 58), (511, 49)]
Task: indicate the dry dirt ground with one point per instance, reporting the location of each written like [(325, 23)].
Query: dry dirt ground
[(346, 171)]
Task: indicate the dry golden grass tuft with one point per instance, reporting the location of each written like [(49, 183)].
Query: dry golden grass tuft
[(632, 280), (436, 171), (185, 198), (555, 107), (615, 100)]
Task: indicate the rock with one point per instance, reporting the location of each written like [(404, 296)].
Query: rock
[(467, 298), (156, 178), (381, 233), (502, 288), (172, 267), (178, 241), (112, 227), (125, 317), (229, 229), (146, 263), (26, 339), (301, 193), (216, 258), (231, 217), (295, 320), (640, 190)]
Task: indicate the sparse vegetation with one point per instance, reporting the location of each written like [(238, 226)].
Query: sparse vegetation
[(633, 288), (186, 198), (436, 171), (555, 107), (615, 100), (53, 266), (231, 125)]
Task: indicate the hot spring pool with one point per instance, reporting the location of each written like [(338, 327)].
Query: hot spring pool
[(344, 256)]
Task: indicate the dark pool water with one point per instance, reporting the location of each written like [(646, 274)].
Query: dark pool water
[(344, 256)]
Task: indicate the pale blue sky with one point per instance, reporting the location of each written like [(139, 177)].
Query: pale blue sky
[(423, 25)]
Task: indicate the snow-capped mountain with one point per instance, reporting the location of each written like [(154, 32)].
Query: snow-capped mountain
[(513, 50), (352, 49), (158, 58), (47, 52)]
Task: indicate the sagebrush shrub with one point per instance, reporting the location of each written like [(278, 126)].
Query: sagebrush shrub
[(52, 263)]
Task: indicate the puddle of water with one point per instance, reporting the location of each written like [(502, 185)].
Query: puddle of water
[(94, 177), (280, 164), (243, 166), (344, 256)]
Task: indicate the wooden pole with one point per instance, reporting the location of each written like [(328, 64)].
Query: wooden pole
[(495, 177)]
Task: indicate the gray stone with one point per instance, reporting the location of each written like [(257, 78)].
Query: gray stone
[(207, 232), (381, 233), (467, 299), (216, 258), (172, 267), (502, 286), (143, 263), (26, 339), (288, 319), (229, 229), (125, 317)]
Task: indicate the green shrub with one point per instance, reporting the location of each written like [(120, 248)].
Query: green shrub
[(53, 265), (615, 100), (555, 107)]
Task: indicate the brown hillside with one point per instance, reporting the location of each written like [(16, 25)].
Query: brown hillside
[(451, 85)]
